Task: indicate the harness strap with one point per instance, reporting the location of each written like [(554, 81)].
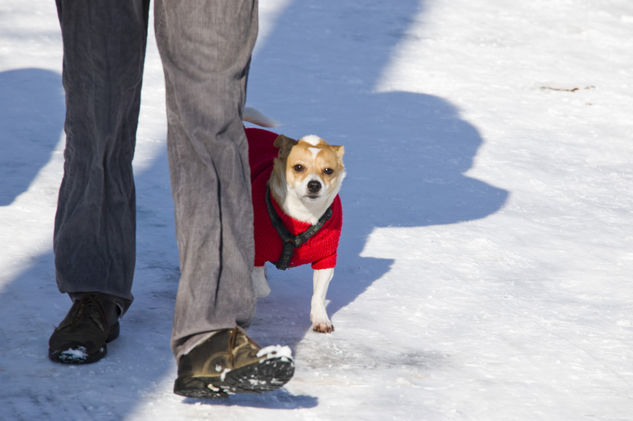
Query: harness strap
[(291, 242)]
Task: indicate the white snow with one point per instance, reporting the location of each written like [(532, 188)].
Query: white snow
[(74, 354), (277, 351), (224, 373), (485, 267)]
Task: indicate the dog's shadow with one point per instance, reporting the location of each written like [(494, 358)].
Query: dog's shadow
[(408, 174), (406, 153)]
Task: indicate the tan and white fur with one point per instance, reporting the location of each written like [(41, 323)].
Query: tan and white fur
[(307, 175)]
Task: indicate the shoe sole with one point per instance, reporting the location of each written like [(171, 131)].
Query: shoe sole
[(76, 353), (263, 376)]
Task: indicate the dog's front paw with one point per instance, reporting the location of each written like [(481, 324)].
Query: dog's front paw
[(320, 321), (327, 327)]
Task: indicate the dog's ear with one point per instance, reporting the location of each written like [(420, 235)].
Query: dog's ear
[(284, 144), (340, 150)]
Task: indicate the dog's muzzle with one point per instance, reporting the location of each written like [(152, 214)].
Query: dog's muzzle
[(314, 187)]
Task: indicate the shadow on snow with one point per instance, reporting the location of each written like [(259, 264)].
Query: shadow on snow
[(406, 155), (32, 107)]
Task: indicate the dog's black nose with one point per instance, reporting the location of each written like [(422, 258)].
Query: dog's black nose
[(314, 186)]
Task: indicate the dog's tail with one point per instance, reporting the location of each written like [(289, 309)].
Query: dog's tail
[(256, 117)]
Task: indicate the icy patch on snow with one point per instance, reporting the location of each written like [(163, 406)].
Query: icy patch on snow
[(275, 351)]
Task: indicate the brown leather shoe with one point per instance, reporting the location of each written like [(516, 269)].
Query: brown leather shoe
[(82, 336), (230, 362)]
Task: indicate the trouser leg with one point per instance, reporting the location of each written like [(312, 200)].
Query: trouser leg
[(206, 48), (104, 48)]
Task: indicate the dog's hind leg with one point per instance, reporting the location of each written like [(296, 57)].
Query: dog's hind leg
[(260, 284), (318, 316)]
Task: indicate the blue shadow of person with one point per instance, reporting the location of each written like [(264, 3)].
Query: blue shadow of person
[(32, 116)]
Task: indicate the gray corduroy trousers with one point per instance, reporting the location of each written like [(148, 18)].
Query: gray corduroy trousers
[(205, 47)]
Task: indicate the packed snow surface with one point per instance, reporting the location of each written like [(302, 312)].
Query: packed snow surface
[(486, 262)]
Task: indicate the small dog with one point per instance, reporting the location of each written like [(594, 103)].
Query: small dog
[(298, 213)]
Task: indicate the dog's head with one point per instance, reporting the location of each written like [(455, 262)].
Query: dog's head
[(312, 171)]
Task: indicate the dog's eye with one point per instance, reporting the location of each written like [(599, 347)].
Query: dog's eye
[(328, 171), (298, 168)]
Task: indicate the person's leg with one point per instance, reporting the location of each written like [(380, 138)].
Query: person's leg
[(104, 49), (206, 48), (94, 240)]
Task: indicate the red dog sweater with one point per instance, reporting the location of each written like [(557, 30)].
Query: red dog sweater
[(320, 249)]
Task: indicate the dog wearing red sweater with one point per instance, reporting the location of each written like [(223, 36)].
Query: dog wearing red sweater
[(298, 213)]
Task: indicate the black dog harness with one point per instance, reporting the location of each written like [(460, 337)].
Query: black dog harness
[(291, 242)]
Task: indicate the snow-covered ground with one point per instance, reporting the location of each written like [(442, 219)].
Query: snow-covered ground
[(486, 265)]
